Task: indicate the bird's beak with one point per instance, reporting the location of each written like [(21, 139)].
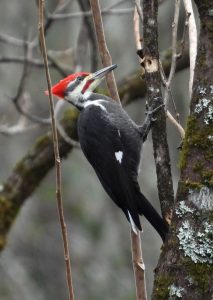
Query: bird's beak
[(101, 73)]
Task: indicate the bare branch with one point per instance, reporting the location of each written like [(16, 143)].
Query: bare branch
[(139, 10), (174, 53), (168, 114), (121, 11), (150, 64), (176, 124), (139, 266), (56, 154), (192, 41), (137, 259), (20, 60), (19, 128), (103, 50), (137, 29), (60, 128)]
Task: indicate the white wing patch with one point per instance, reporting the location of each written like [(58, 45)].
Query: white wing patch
[(132, 223), (119, 133), (95, 103), (119, 156)]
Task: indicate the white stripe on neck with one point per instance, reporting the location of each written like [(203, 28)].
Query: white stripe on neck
[(95, 103)]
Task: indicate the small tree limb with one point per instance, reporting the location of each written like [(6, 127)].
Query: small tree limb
[(150, 56), (103, 50), (192, 41), (56, 154)]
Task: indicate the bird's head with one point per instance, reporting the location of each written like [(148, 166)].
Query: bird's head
[(77, 87)]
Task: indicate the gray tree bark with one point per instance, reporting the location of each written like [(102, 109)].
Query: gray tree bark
[(185, 268)]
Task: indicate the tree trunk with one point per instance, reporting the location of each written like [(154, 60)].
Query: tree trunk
[(185, 268)]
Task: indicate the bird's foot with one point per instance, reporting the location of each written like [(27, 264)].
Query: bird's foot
[(151, 112)]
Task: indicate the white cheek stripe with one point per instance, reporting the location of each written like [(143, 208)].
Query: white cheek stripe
[(132, 223), (95, 103), (119, 156)]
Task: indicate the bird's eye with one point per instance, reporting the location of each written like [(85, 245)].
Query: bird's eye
[(79, 78)]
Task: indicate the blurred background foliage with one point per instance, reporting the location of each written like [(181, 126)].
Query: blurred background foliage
[(32, 266)]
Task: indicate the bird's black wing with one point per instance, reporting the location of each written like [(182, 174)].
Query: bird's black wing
[(112, 145), (101, 142)]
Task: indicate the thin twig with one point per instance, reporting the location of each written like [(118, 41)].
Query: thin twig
[(118, 11), (192, 41), (175, 122), (21, 59), (174, 53), (137, 29), (138, 266), (139, 9), (183, 40), (137, 259), (56, 154), (103, 50), (20, 127)]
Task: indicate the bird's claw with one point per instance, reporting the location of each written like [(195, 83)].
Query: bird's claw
[(150, 113)]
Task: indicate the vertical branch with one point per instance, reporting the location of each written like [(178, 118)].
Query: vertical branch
[(138, 266), (174, 53), (150, 56), (103, 50), (56, 154), (106, 61), (192, 41)]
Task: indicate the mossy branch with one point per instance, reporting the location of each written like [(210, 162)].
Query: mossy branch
[(30, 171)]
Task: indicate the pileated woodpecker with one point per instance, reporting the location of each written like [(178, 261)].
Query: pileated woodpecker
[(112, 143)]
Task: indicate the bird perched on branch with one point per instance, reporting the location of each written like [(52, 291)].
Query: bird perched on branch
[(112, 143)]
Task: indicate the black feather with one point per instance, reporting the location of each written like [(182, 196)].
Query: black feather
[(103, 131)]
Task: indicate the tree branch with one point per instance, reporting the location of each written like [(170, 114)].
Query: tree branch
[(174, 53), (103, 50), (150, 64), (56, 154), (192, 41)]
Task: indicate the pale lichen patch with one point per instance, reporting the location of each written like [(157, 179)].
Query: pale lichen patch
[(202, 199), (183, 209), (202, 90), (197, 245), (210, 138), (202, 104), (175, 291)]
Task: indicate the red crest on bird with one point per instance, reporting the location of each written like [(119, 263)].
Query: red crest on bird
[(59, 88)]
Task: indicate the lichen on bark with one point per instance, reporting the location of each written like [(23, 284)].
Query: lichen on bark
[(187, 256)]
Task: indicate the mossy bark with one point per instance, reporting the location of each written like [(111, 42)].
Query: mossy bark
[(187, 257)]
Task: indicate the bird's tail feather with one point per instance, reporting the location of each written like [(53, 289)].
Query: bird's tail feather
[(150, 213)]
